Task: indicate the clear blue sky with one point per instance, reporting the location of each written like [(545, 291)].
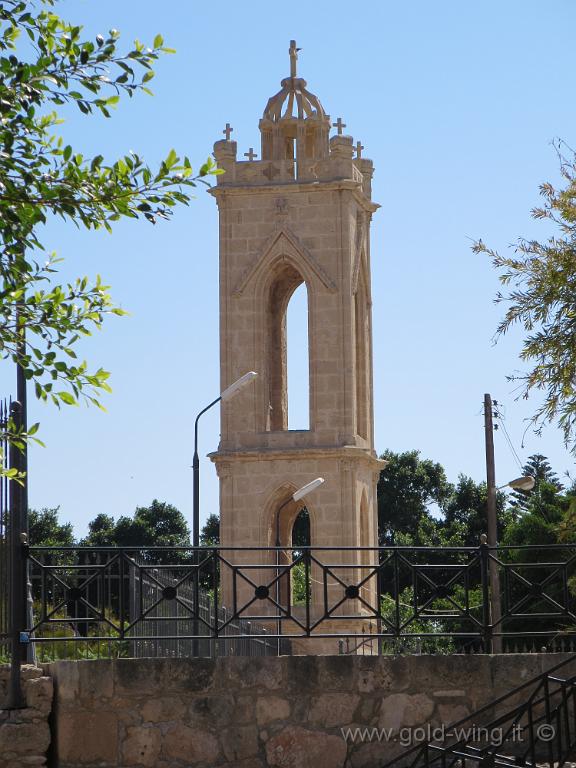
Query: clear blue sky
[(455, 102)]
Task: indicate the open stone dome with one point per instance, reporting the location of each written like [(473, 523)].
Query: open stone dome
[(293, 101)]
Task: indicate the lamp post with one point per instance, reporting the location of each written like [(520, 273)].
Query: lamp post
[(227, 394), (525, 483), (296, 496)]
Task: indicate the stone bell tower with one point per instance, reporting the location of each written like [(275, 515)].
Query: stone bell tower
[(298, 214)]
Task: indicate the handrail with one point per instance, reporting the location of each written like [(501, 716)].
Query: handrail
[(300, 547)]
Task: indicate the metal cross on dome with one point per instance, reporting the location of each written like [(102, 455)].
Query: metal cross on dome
[(339, 125)]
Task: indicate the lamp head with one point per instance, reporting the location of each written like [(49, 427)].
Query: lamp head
[(525, 483), (239, 384), (306, 489)]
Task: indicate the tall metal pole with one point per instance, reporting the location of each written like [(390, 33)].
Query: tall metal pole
[(22, 397), (196, 525), (196, 491), (196, 537), (16, 578), (495, 604), (196, 472)]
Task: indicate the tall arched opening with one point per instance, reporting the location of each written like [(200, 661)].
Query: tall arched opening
[(288, 345)]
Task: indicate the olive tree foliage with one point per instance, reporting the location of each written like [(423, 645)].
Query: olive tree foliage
[(539, 282), (45, 63)]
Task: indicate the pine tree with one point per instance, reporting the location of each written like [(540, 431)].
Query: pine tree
[(539, 468)]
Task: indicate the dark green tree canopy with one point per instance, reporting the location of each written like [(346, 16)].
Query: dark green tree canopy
[(543, 520), (158, 525), (45, 529), (210, 533), (465, 510), (101, 532), (408, 489)]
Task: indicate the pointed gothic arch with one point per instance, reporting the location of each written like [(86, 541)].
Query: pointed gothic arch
[(288, 517), (271, 298)]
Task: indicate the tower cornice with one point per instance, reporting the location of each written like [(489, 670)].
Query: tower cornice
[(295, 188), (345, 452)]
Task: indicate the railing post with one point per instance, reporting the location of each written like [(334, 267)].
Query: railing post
[(485, 577), (308, 591), (17, 576), (397, 620), (196, 584)]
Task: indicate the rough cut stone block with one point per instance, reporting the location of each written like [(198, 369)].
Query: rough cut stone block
[(243, 673), (30, 672), (141, 746), (296, 747), (163, 709), (87, 737), (163, 674), (333, 709), (239, 742), (24, 738), (191, 745), (207, 711), (270, 708), (66, 676), (404, 710), (39, 693)]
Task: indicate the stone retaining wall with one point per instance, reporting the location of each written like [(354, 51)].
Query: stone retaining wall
[(257, 712), (24, 733)]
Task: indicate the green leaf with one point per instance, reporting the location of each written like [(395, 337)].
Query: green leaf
[(67, 398)]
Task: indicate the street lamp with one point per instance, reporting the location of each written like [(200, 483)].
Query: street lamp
[(296, 496), (227, 394), (525, 483)]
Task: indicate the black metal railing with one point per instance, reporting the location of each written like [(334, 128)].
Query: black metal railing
[(167, 622), (418, 598), (533, 724)]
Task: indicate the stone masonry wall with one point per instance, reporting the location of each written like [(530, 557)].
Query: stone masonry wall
[(283, 712), (24, 733)]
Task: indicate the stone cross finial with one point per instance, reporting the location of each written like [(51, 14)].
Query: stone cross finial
[(339, 125), (227, 131), (293, 51), (359, 149), (250, 154)]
